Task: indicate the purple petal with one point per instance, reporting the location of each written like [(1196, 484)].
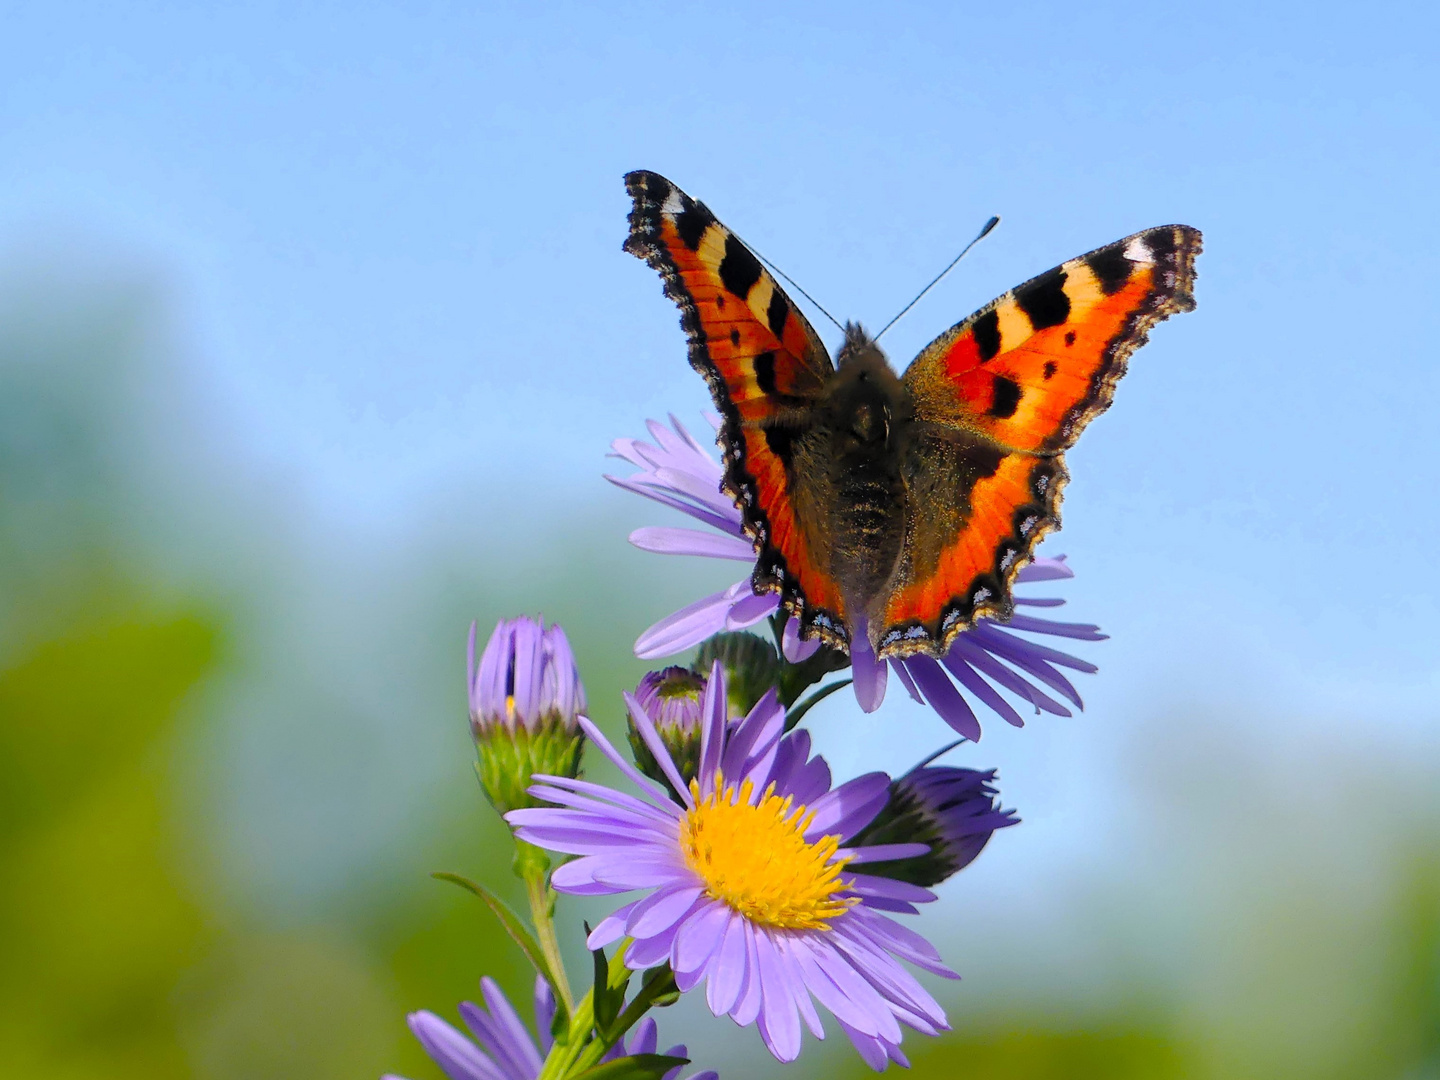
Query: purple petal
[(971, 680), (623, 802), (785, 950), (942, 695), (1079, 631), (850, 807), (992, 637), (657, 749), (460, 1058), (796, 649), (544, 1013), (904, 943), (611, 928), (725, 974), (673, 541), (698, 939), (779, 1021), (982, 661), (659, 493), (898, 665), (687, 627), (1044, 570), (748, 1007), (713, 711), (502, 1032), (662, 910), (753, 738), (651, 951), (645, 1038), (625, 871), (888, 888), (749, 610), (884, 852), (866, 670), (842, 990), (639, 779)]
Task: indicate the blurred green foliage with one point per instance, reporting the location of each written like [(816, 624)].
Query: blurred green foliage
[(137, 940)]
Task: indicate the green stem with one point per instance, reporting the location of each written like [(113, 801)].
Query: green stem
[(654, 988), (533, 866), (563, 1055)]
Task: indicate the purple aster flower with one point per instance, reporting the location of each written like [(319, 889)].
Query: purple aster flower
[(747, 884), (525, 696), (504, 1049), (984, 660), (953, 811)]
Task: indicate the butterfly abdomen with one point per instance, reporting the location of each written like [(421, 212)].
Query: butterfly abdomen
[(866, 418)]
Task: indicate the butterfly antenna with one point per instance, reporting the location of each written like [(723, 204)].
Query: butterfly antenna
[(978, 237), (796, 287)]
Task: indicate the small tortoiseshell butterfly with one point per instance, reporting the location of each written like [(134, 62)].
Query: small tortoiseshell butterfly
[(902, 508)]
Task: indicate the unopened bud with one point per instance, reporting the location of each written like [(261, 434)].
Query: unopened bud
[(525, 697), (953, 810)]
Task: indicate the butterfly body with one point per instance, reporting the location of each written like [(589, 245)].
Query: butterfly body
[(900, 507)]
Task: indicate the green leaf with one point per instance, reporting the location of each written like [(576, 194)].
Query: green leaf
[(635, 1067), (519, 934), (607, 999)]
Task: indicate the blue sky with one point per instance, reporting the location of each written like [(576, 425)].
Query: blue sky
[(392, 235)]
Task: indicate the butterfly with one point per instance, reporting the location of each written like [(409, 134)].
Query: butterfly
[(899, 508)]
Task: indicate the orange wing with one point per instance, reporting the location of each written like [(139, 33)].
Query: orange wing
[(998, 398), (765, 366)]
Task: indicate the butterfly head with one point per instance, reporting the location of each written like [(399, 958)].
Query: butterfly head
[(864, 397)]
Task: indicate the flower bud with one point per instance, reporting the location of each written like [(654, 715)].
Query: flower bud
[(953, 810), (751, 667), (672, 700), (524, 699)]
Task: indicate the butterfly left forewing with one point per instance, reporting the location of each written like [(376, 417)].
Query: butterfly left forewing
[(996, 400), (765, 367)]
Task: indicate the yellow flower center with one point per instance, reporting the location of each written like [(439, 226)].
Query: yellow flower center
[(757, 860)]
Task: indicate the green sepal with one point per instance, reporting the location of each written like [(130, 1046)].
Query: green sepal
[(634, 1067), (510, 756), (518, 934), (659, 987)]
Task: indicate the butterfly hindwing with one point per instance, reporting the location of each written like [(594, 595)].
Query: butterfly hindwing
[(996, 400), (765, 367)]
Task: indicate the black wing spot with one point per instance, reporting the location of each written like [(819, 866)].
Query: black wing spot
[(1110, 267), (1044, 300), (692, 221), (1069, 337), (776, 314), (781, 442), (719, 302), (739, 270), (734, 337), (1162, 243), (764, 367), (987, 335), (1005, 397), (1050, 367)]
